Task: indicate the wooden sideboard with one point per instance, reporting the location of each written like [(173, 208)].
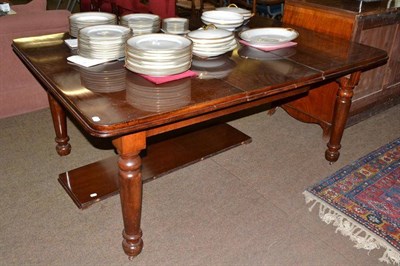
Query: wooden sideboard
[(371, 23)]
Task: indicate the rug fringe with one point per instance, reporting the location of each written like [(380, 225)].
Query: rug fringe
[(360, 235)]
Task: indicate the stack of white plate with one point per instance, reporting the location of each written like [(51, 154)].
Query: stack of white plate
[(222, 19), (267, 37), (233, 8), (175, 25), (80, 20), (147, 96), (141, 23), (104, 78), (158, 54), (212, 42), (103, 41)]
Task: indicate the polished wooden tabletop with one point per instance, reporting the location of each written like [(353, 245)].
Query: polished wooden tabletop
[(110, 101), (249, 75)]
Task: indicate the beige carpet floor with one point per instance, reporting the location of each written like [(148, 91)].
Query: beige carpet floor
[(241, 207)]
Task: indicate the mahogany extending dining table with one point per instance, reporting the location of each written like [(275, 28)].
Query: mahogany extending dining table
[(131, 113)]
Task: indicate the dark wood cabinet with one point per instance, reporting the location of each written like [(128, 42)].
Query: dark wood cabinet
[(371, 23)]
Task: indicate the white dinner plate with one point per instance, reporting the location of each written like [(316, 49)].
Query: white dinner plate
[(139, 16), (222, 15), (158, 58), (158, 53), (80, 20), (163, 64), (226, 46), (219, 21), (269, 36), (208, 35), (178, 32), (158, 66), (214, 44), (157, 72), (175, 25), (92, 16), (159, 42), (105, 31)]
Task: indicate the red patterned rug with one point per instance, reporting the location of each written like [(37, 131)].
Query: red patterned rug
[(362, 200)]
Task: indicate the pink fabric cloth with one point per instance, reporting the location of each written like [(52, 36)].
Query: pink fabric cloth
[(162, 8), (165, 9), (131, 6), (20, 92), (270, 48), (165, 79), (31, 7)]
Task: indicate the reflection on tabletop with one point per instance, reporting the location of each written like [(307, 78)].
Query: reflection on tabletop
[(254, 53), (213, 67), (104, 78), (147, 96)]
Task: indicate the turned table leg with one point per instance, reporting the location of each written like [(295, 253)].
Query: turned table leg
[(130, 185), (60, 126), (342, 108)]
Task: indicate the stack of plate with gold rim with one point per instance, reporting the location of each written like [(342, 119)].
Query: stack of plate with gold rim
[(141, 23), (158, 54), (103, 41), (81, 20), (223, 19), (212, 42), (175, 25)]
